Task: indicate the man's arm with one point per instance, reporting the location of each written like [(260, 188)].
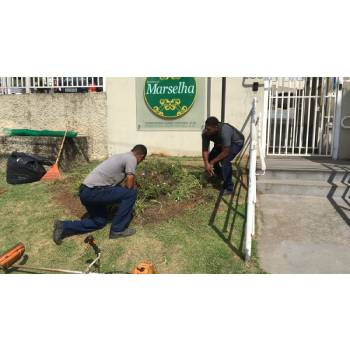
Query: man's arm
[(223, 154), (130, 170), (208, 167), (205, 154), (130, 181)]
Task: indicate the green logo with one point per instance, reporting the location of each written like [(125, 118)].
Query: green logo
[(170, 98)]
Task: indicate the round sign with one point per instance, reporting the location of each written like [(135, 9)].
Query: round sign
[(170, 98)]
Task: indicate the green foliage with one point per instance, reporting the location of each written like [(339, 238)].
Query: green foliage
[(157, 179)]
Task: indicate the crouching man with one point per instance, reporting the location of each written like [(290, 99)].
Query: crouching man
[(102, 188), (228, 142)]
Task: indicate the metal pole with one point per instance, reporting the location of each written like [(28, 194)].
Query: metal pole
[(249, 227), (208, 96), (265, 115), (337, 121), (223, 99)]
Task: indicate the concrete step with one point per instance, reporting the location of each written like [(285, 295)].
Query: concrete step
[(302, 187), (308, 175)]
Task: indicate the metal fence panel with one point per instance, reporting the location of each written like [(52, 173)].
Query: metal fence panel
[(20, 85), (300, 115)]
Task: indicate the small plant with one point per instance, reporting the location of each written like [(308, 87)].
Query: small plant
[(157, 179)]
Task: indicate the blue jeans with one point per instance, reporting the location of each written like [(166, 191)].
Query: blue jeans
[(96, 201), (223, 169)]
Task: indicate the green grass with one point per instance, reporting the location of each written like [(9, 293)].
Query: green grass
[(185, 243)]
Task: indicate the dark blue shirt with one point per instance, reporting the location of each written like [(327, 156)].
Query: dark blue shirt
[(225, 137)]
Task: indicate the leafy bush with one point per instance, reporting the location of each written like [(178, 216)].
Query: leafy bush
[(157, 178)]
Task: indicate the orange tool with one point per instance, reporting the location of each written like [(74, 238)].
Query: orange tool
[(53, 173), (9, 258)]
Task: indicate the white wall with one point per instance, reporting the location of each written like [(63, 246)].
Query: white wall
[(82, 112), (344, 139), (121, 111), (122, 133)]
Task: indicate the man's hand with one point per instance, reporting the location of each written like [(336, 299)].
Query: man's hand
[(209, 168)]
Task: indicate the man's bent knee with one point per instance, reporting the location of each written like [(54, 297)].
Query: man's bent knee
[(100, 222)]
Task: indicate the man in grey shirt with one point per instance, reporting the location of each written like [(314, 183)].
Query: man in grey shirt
[(228, 142), (100, 189)]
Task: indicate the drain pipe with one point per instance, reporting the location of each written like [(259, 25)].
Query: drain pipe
[(208, 97), (223, 99)]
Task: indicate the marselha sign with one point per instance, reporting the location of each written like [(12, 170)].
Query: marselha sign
[(170, 98)]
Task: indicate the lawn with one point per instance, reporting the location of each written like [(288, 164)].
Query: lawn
[(181, 226)]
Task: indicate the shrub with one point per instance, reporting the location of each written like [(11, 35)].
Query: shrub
[(157, 178)]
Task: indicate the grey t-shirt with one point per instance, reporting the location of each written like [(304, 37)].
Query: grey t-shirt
[(225, 137), (112, 171)]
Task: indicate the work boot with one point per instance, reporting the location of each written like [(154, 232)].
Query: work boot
[(125, 233), (57, 232)]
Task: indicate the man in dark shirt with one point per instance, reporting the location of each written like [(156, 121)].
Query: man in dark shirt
[(228, 142)]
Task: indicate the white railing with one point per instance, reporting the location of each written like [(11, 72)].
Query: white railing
[(20, 85), (255, 145)]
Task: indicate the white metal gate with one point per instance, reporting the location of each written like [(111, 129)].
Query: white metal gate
[(300, 115)]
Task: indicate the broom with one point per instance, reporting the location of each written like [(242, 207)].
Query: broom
[(53, 173)]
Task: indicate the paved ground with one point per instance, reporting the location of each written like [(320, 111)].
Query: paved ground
[(302, 234)]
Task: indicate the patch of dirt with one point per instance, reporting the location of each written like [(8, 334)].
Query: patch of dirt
[(63, 196), (2, 191)]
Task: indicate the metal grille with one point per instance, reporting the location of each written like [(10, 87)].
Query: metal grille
[(20, 85), (300, 115)]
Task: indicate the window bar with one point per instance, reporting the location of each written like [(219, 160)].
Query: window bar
[(8, 83), (296, 104), (324, 92), (302, 117), (329, 101), (308, 117), (286, 141), (336, 87), (315, 115), (269, 118), (334, 112), (281, 118), (275, 119)]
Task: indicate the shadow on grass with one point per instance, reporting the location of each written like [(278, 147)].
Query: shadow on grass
[(232, 203)]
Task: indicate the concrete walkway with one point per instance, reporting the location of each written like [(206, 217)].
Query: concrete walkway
[(303, 234)]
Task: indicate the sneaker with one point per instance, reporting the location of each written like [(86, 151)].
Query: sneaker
[(57, 232), (125, 233)]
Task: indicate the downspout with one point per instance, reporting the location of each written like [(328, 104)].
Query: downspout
[(223, 99), (208, 96)]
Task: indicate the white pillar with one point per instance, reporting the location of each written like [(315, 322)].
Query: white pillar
[(337, 120)]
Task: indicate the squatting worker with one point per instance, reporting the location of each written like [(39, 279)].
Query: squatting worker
[(102, 188), (228, 142)]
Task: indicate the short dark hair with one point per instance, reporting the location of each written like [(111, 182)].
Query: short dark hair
[(212, 121), (140, 149)]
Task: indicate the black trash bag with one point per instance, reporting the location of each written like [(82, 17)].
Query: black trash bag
[(24, 168)]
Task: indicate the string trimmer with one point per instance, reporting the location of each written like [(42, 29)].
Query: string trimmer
[(8, 260), (14, 258)]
